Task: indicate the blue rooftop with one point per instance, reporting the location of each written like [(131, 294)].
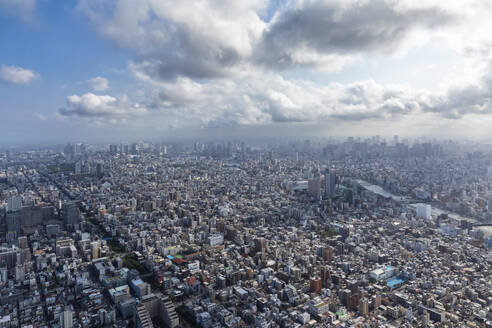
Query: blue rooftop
[(394, 282)]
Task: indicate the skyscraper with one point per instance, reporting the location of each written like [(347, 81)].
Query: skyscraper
[(14, 203), (424, 211), (71, 214), (99, 169), (13, 219), (314, 187), (330, 180), (67, 319), (113, 149), (489, 173), (315, 284), (364, 306), (325, 276)]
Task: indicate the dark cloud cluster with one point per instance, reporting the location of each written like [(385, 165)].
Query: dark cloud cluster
[(206, 39), (212, 63), (221, 41), (327, 28)]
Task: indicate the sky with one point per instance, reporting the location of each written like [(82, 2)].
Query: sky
[(91, 70)]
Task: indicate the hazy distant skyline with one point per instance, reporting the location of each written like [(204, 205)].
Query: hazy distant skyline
[(107, 70)]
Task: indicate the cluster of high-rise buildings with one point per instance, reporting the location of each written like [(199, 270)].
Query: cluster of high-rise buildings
[(236, 234)]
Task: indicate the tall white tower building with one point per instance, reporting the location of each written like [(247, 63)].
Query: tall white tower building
[(424, 211), (489, 173), (67, 319)]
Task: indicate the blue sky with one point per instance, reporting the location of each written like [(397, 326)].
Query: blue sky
[(205, 67), (58, 44)]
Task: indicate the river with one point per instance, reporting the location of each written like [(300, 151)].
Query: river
[(435, 211)]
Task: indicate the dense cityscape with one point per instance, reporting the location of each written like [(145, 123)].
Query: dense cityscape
[(362, 232), (246, 163)]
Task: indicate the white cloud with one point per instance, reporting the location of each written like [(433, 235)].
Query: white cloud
[(209, 63), (99, 83), (265, 98), (17, 75), (101, 108), (209, 39), (193, 38), (270, 98)]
